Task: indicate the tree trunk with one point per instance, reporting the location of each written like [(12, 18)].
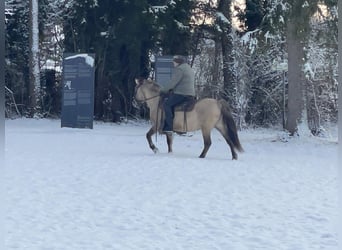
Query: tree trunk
[(34, 89), (216, 70), (227, 47), (295, 90), (100, 89)]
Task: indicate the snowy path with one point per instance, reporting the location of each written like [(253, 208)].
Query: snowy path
[(70, 189)]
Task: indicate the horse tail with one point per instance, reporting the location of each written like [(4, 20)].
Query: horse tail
[(230, 125)]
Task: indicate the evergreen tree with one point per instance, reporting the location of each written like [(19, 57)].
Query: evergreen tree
[(121, 35), (242, 66), (251, 17), (51, 14), (17, 50), (174, 27)]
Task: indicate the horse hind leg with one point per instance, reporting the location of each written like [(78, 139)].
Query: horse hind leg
[(229, 142), (207, 143), (232, 148)]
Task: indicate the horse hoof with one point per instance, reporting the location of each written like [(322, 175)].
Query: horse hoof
[(155, 150)]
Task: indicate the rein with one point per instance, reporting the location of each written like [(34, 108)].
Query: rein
[(146, 99)]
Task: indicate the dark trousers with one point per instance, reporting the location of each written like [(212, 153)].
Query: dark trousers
[(169, 108)]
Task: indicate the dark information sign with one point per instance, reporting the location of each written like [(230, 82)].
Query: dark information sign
[(78, 90), (164, 68)]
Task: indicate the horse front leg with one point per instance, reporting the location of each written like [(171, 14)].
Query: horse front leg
[(149, 134)]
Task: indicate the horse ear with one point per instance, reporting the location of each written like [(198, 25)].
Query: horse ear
[(139, 81)]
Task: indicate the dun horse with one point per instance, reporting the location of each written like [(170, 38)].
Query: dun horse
[(206, 114)]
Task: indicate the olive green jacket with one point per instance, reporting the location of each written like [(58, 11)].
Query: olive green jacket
[(182, 81)]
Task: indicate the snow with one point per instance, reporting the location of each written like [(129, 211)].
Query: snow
[(105, 189), (249, 39), (88, 59), (305, 4), (181, 25), (222, 17), (161, 8)]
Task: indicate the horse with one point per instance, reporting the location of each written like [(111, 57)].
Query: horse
[(207, 113)]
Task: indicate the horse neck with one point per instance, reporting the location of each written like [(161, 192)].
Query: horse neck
[(153, 103)]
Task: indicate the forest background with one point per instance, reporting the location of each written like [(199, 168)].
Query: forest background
[(274, 61)]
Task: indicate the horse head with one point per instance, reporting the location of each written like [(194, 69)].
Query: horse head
[(146, 89)]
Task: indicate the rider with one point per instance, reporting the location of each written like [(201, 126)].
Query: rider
[(180, 88)]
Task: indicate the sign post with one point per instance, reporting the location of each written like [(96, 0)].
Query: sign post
[(78, 90), (164, 68)]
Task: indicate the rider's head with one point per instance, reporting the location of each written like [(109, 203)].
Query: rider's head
[(178, 59)]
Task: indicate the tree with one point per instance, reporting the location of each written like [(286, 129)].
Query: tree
[(19, 64), (293, 17), (252, 15), (241, 66), (51, 14), (295, 78), (224, 21), (121, 34), (34, 89), (321, 70), (17, 50), (247, 60), (298, 27), (174, 27)]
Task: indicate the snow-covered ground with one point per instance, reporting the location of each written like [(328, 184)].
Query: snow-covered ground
[(100, 189)]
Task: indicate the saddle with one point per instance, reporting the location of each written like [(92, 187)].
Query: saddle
[(186, 106)]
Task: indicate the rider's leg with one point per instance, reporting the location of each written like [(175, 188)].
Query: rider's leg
[(169, 105)]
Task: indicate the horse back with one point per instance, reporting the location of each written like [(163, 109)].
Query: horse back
[(205, 113)]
